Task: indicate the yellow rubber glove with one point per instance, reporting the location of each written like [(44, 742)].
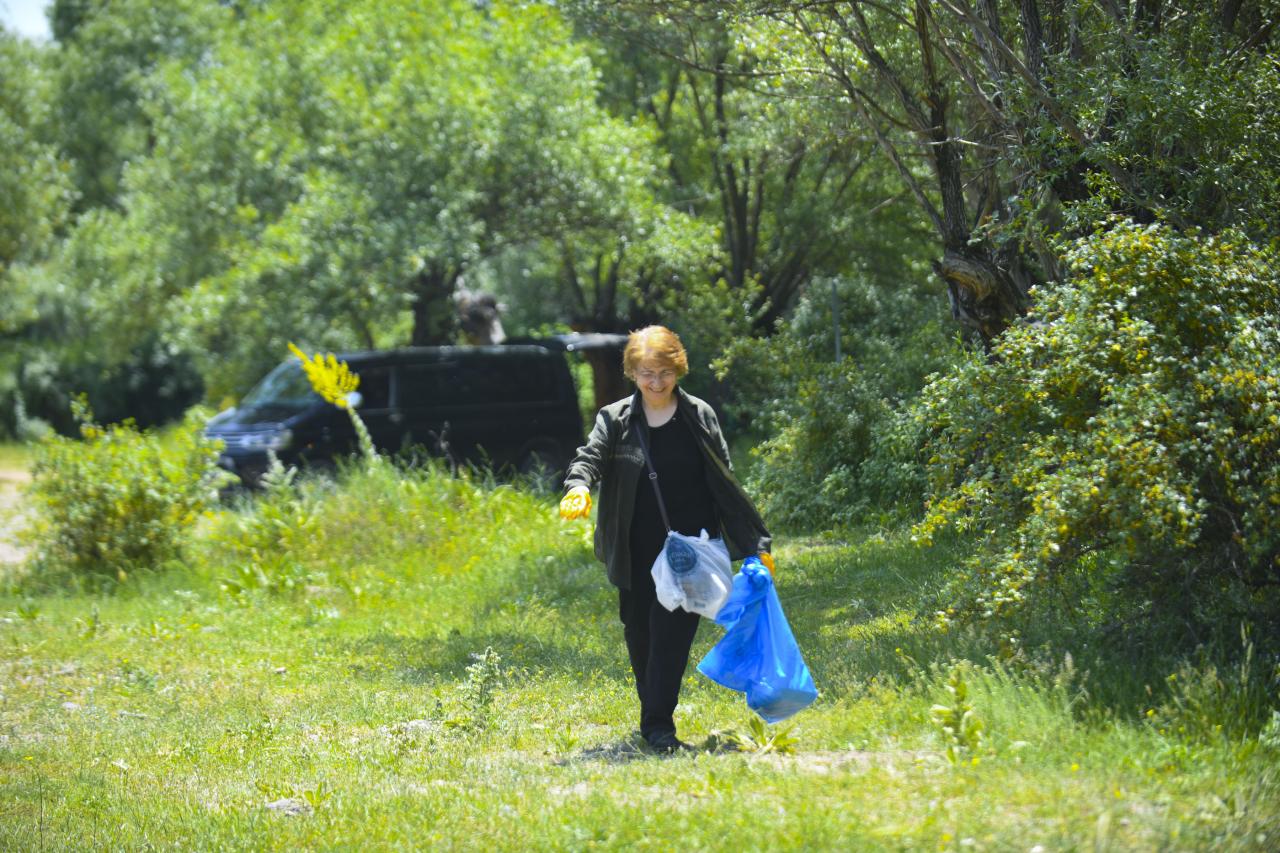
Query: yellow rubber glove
[(767, 559), (576, 504)]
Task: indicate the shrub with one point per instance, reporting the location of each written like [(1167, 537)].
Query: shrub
[(261, 544), (837, 447), (834, 452), (120, 499), (1118, 456)]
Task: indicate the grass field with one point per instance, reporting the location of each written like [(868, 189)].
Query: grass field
[(329, 688), (14, 457)]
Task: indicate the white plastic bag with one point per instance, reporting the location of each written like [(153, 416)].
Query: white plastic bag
[(693, 572)]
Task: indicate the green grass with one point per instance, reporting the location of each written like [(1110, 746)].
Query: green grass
[(15, 456), (172, 712)]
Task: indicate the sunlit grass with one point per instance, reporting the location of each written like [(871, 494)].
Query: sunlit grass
[(15, 457), (174, 712)]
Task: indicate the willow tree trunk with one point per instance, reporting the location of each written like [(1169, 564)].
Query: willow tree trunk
[(983, 294), (984, 297)]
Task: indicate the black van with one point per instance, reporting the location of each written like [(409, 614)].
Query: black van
[(510, 407)]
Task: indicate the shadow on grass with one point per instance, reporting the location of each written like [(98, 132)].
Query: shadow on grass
[(859, 610), (634, 748), (620, 752), (554, 620), (862, 609), (427, 660)]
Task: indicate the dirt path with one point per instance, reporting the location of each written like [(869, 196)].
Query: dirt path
[(12, 481)]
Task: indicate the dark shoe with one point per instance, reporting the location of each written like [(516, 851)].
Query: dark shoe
[(666, 743)]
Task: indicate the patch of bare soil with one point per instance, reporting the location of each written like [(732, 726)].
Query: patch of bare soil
[(12, 515)]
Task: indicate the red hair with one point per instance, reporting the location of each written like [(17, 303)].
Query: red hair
[(654, 343)]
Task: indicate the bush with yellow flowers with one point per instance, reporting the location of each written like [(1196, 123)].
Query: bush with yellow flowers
[(1118, 454), (119, 500)]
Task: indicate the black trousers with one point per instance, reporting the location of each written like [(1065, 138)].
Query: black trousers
[(658, 642)]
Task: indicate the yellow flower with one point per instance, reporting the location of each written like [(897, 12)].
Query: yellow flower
[(330, 378)]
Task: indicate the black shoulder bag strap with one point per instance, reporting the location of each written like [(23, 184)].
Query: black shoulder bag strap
[(653, 474)]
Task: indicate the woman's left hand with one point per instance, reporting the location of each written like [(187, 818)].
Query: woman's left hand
[(767, 560)]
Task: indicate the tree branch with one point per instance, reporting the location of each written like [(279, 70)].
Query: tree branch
[(860, 101), (1073, 130)]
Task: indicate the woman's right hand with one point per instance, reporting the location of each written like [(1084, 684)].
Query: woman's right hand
[(576, 504)]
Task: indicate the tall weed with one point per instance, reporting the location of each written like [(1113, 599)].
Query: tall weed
[(1205, 701), (261, 546), (374, 526)]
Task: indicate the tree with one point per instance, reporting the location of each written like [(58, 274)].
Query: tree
[(35, 201), (781, 187), (105, 53), (33, 177), (331, 178), (1023, 114)]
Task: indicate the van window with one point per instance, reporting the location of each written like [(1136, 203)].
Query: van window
[(476, 381), (286, 385), (375, 387)]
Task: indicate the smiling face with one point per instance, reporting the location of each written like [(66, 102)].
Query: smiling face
[(656, 380), (655, 360)]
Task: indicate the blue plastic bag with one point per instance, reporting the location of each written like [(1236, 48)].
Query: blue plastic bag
[(758, 654)]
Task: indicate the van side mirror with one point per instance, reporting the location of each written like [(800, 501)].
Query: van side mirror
[(354, 399)]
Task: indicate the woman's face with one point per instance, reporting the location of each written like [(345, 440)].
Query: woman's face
[(656, 381)]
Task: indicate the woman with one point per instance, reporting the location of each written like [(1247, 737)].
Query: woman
[(691, 458)]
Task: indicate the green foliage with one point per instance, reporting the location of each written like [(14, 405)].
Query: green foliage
[(484, 675), (834, 438), (119, 500), (308, 183), (756, 738), (36, 189), (52, 362), (34, 178), (777, 177), (260, 545), (1196, 129), (317, 536), (1269, 737), (104, 66), (957, 718), (1117, 456), (837, 447)]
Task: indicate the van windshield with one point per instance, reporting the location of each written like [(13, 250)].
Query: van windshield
[(285, 386)]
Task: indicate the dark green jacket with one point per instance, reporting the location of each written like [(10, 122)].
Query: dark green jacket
[(613, 460)]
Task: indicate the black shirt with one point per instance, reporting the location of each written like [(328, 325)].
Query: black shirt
[(682, 478)]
